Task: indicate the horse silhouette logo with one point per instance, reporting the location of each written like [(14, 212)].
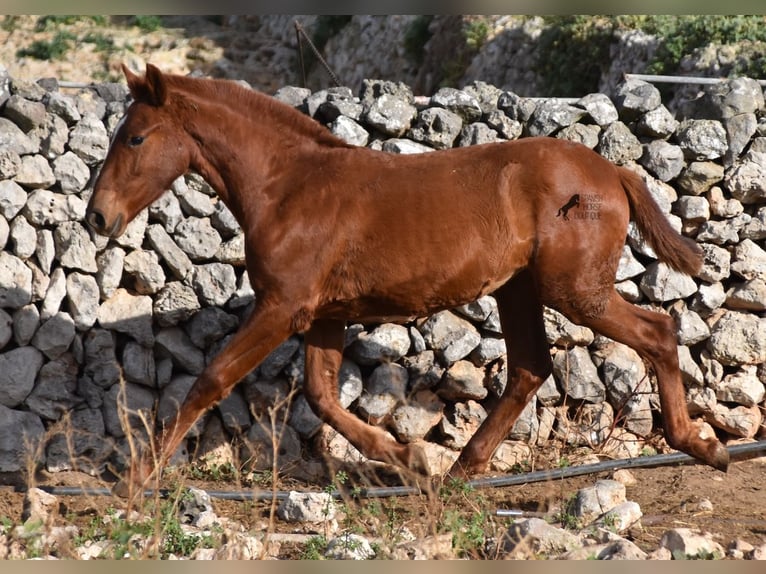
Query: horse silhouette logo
[(574, 201)]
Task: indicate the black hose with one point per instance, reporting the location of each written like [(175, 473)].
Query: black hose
[(736, 452)]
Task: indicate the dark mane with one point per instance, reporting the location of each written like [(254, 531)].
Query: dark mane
[(254, 104)]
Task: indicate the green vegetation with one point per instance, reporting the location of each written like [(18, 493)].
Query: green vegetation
[(147, 23), (416, 37), (573, 51)]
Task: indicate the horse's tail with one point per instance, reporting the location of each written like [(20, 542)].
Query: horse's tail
[(679, 252)]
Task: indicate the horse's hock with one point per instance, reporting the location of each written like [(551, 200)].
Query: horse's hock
[(90, 325)]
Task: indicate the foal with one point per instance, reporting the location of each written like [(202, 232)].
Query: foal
[(335, 233)]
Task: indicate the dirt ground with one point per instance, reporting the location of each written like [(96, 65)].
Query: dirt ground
[(731, 506)]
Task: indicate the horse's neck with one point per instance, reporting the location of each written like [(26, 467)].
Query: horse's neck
[(240, 145)]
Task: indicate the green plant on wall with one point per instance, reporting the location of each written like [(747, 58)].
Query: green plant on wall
[(573, 51)]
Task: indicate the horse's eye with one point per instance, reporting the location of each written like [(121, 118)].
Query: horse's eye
[(135, 141)]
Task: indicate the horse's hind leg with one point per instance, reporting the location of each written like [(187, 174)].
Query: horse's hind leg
[(653, 336), (324, 353), (529, 364)]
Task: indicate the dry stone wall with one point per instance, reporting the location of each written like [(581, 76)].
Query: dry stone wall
[(89, 326)]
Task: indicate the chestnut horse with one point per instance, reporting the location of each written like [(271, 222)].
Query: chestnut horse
[(335, 232)]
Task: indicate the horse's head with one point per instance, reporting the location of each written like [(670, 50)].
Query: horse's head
[(149, 150)]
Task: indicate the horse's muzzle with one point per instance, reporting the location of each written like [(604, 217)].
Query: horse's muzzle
[(99, 224)]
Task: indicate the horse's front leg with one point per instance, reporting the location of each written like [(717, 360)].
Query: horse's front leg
[(262, 332), (324, 354)]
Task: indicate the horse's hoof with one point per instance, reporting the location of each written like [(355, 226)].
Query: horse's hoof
[(719, 459)]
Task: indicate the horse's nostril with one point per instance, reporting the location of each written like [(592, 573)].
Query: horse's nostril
[(96, 220)]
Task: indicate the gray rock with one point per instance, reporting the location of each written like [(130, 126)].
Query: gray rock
[(83, 445), (167, 210), (700, 176), (44, 207), (303, 419), (663, 159), (45, 249), (174, 257), (600, 108), (475, 134), (15, 140), (235, 413), (594, 501), (349, 131), (386, 342), (130, 314), (100, 358), (176, 344), (197, 238), (349, 546), (505, 127), (460, 422), (742, 387), (404, 146), (391, 115), (138, 364), (618, 144), (20, 436), (662, 283), (214, 283), (89, 140), (749, 260), (63, 106), (55, 391), (193, 202), (133, 236), (314, 507), (748, 296), (54, 335), (6, 328), (209, 325), (738, 339), (83, 299), (586, 134), (627, 388), (436, 127), (23, 237), (12, 199), (10, 161), (451, 337), (552, 115), (657, 123), (145, 269), (128, 406), (702, 139), (110, 264), (54, 294), (534, 536), (24, 113), (74, 248), (458, 102), (462, 381), (746, 180), (34, 173), (259, 446), (575, 372), (635, 97), (516, 107), (26, 320), (18, 370), (414, 419), (687, 543)]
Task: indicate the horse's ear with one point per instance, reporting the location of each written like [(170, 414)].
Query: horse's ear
[(150, 88), (156, 85), (136, 83)]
